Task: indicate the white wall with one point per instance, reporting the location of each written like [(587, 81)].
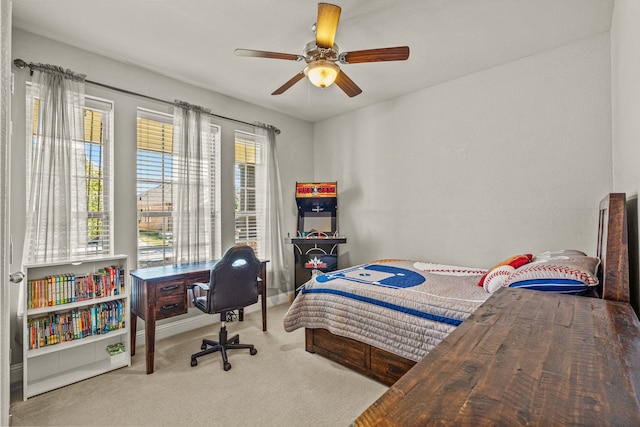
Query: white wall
[(294, 144), (513, 159), (625, 83)]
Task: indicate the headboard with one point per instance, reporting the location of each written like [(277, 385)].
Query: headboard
[(613, 248)]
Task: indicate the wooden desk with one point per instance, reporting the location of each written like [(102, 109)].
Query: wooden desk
[(161, 292), (524, 357)]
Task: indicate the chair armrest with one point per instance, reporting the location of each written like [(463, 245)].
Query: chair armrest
[(203, 286)]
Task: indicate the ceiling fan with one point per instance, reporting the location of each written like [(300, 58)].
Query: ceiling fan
[(322, 55)]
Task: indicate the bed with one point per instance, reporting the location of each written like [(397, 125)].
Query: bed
[(382, 317)]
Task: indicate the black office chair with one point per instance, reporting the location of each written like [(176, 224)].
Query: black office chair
[(233, 285)]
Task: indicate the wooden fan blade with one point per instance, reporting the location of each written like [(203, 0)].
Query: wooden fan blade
[(399, 53), (295, 79), (347, 85), (265, 54), (327, 24)]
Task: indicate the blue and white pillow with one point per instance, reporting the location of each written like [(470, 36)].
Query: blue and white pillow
[(569, 272)]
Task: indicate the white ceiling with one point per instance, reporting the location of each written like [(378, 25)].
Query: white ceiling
[(193, 41)]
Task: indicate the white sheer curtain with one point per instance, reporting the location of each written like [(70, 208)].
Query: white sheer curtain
[(195, 237), (270, 202), (56, 166)]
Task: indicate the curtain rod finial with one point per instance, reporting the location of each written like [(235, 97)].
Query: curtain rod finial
[(19, 63)]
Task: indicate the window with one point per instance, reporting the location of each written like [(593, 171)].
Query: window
[(98, 173), (154, 186), (99, 176), (249, 180)]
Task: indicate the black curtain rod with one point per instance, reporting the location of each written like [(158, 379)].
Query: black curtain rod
[(20, 64)]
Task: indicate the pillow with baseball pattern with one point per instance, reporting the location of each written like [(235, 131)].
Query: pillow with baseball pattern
[(497, 277), (514, 262), (567, 274)]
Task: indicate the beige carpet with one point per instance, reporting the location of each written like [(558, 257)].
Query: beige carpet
[(282, 385)]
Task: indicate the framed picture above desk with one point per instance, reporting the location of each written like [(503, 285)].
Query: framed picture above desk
[(161, 292)]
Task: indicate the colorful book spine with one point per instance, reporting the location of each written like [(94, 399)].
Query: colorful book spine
[(72, 287), (120, 317), (94, 329), (50, 291), (56, 280)]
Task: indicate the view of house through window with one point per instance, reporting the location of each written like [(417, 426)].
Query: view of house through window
[(248, 160)]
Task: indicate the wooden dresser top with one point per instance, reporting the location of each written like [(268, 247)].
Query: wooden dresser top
[(525, 358)]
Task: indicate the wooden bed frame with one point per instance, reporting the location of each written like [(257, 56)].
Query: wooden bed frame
[(387, 367)]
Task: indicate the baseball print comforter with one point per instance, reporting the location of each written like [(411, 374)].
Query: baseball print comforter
[(403, 307)]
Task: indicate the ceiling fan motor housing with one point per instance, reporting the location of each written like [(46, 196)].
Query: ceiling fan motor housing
[(313, 53)]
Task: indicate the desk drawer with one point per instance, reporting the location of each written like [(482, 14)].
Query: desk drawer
[(171, 298), (170, 288), (171, 306)]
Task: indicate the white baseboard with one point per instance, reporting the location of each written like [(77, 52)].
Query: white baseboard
[(165, 330)]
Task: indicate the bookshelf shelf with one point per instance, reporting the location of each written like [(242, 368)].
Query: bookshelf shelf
[(69, 344), (66, 342), (71, 305)]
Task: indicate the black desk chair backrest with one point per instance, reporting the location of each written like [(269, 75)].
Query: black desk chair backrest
[(234, 280), (233, 285)]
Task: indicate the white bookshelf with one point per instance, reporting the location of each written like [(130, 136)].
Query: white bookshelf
[(52, 366)]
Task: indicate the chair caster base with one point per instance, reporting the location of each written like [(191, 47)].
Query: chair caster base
[(253, 352), (226, 366), (194, 362)]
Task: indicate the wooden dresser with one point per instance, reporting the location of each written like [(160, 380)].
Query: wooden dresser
[(525, 358)]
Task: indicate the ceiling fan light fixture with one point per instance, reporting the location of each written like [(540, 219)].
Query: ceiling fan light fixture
[(322, 73)]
